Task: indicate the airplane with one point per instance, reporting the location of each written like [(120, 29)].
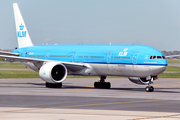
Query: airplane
[(140, 63)]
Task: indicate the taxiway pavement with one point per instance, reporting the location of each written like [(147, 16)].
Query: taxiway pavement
[(24, 99)]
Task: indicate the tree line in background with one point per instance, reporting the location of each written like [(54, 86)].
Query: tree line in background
[(167, 53)]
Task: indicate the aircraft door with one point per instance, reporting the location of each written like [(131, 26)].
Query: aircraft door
[(74, 56), (47, 55), (135, 58), (109, 57)]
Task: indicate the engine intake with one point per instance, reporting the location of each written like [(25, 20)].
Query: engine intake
[(53, 72)]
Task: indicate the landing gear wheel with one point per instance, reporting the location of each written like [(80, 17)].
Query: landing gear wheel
[(96, 84), (107, 85), (149, 89), (102, 83), (51, 85)]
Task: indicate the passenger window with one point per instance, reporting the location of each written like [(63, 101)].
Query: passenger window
[(154, 57)]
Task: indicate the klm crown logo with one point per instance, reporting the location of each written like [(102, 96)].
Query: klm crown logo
[(21, 27), (21, 33)]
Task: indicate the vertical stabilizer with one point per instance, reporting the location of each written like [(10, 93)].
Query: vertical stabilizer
[(23, 37)]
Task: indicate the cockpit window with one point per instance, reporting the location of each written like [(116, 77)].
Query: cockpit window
[(157, 57)]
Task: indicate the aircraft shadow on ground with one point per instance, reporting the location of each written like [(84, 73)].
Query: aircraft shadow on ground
[(71, 86)]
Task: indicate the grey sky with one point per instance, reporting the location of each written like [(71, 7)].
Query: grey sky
[(150, 22)]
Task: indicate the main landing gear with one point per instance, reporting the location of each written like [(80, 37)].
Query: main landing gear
[(150, 88), (51, 85), (102, 83)]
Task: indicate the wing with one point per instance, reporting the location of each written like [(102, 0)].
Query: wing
[(171, 56), (72, 66)]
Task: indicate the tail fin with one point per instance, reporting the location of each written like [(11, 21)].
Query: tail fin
[(23, 37)]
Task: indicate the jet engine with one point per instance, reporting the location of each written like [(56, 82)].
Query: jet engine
[(140, 81), (53, 72)]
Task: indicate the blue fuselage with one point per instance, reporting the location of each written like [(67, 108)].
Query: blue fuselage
[(101, 54)]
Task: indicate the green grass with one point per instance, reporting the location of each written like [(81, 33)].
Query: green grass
[(169, 75), (173, 68), (173, 61), (18, 74), (12, 65), (33, 74)]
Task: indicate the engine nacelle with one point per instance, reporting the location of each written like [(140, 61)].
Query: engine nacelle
[(53, 72), (140, 81)]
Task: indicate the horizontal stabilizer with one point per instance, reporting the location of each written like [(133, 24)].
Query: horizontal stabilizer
[(9, 53)]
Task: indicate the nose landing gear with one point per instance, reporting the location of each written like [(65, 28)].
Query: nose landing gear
[(102, 83), (150, 88)]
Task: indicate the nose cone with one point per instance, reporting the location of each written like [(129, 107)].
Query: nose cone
[(164, 62), (162, 69)]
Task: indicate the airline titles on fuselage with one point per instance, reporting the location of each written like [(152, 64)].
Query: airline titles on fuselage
[(124, 53)]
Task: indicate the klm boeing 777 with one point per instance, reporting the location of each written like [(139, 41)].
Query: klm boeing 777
[(140, 63)]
